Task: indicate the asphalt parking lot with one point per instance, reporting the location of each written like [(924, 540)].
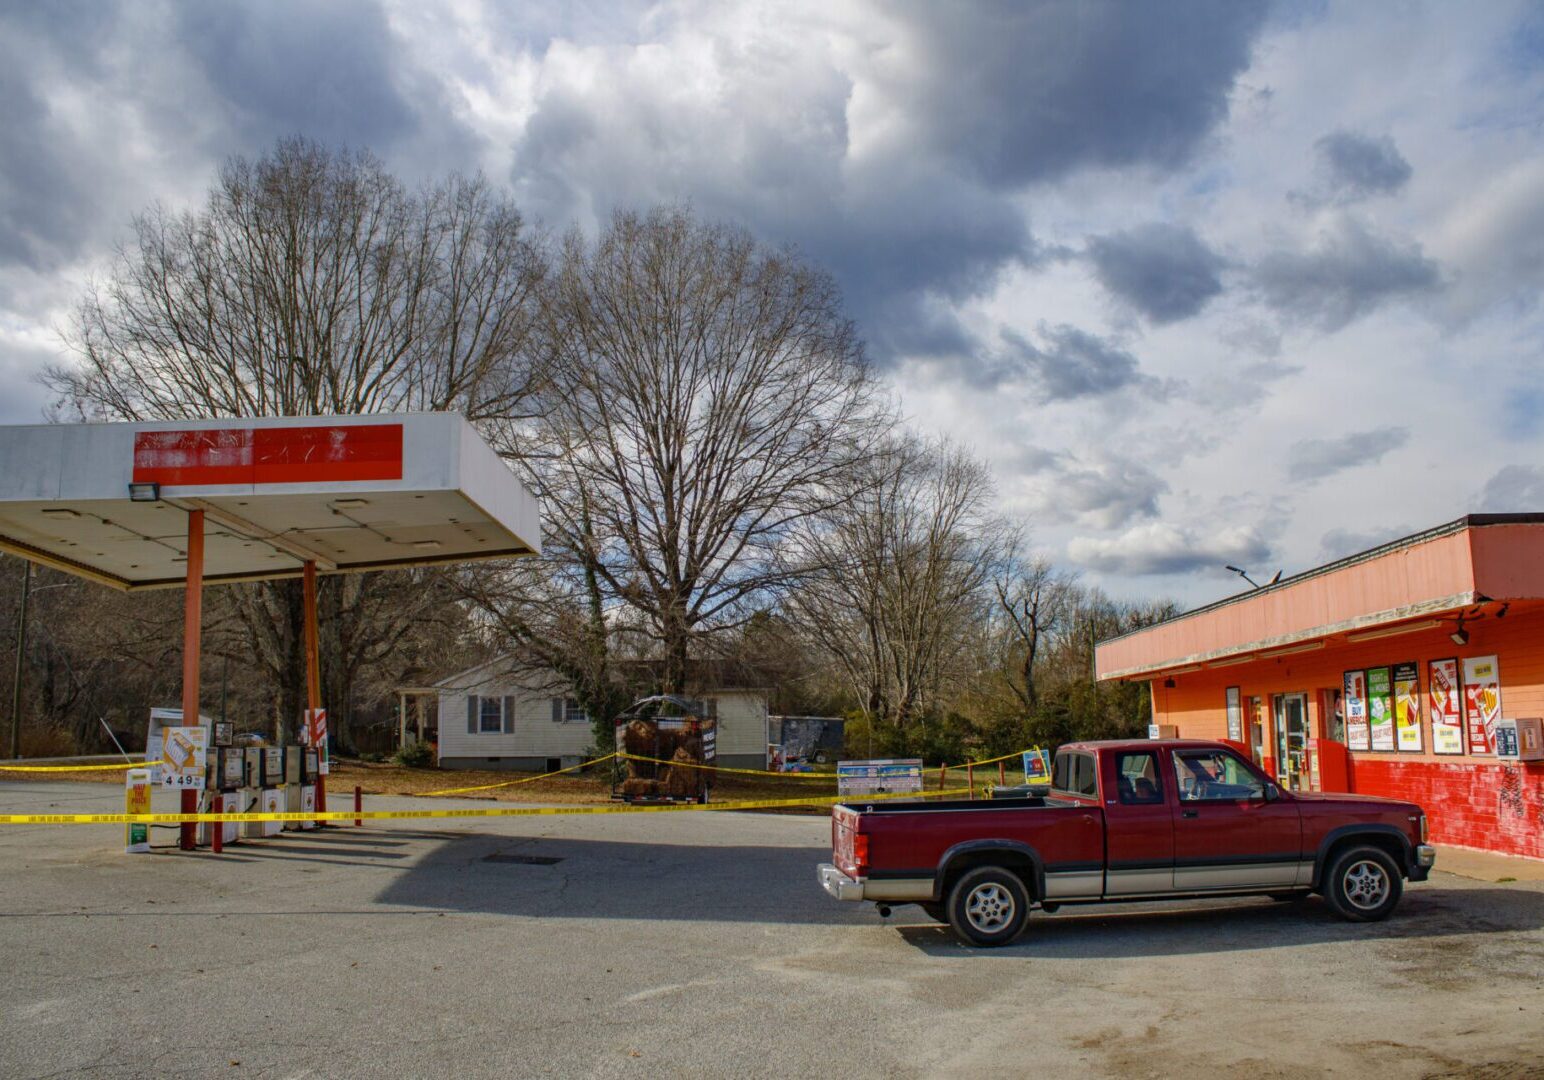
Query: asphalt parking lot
[(698, 944)]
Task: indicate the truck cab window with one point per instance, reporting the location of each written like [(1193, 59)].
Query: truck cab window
[(1075, 774), (1212, 775), (1136, 775)]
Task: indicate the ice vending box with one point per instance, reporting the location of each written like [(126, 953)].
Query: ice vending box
[(1520, 740)]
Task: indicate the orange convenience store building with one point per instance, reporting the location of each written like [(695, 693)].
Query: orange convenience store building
[(1391, 672)]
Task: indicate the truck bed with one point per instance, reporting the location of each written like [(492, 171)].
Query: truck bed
[(898, 806)]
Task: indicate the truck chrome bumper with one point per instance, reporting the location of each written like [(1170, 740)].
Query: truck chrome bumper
[(839, 884), (1425, 859)]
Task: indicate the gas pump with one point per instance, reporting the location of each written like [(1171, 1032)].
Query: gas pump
[(264, 789), (309, 772), (294, 774), (227, 776)]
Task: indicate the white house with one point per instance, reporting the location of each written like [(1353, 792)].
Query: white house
[(502, 715)]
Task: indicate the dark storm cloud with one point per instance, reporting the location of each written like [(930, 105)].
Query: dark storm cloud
[(1032, 91), (1514, 489), (1069, 364), (1314, 459), (1348, 273), (1158, 548), (1356, 166), (1162, 270), (991, 99), (1105, 493)]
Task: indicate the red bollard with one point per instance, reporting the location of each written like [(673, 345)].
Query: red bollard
[(1002, 773), (217, 829), (358, 803)]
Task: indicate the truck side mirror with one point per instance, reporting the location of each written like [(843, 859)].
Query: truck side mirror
[(1271, 793)]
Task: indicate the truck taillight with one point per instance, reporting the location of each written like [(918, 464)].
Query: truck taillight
[(860, 853)]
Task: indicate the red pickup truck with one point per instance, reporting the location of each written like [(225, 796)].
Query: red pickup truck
[(1125, 821)]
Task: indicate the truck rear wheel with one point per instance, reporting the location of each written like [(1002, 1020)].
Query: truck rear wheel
[(1363, 884), (988, 906)]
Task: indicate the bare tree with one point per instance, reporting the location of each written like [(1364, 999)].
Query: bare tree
[(902, 565), (1033, 598), (313, 283), (704, 395)]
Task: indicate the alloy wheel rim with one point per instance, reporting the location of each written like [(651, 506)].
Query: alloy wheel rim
[(989, 907), (1366, 885)]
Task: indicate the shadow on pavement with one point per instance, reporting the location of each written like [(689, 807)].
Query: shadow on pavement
[(596, 879), (1178, 928)]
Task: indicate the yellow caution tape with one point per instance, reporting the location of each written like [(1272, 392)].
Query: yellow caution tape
[(522, 780), (478, 812), (80, 768), (765, 774)]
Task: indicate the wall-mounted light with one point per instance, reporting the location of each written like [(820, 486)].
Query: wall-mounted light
[(145, 492), (1460, 636), (1168, 684)]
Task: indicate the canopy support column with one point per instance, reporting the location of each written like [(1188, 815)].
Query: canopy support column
[(313, 666), (192, 647)]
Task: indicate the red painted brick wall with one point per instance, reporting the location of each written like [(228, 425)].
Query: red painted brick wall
[(1494, 807)]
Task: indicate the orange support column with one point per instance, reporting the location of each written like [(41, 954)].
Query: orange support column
[(313, 666), (192, 645)]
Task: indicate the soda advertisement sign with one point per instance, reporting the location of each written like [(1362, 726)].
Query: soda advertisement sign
[(1447, 721), (1357, 737), (1407, 706), (1482, 696)]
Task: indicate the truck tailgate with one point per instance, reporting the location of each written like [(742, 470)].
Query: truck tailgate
[(844, 831)]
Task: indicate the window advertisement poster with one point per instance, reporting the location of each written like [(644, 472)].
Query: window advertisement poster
[(1355, 697), (878, 777), (1407, 706), (1447, 718), (1380, 708), (1235, 715), (1482, 696)]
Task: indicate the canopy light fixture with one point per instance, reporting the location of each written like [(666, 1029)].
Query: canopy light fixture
[(1230, 661), (1393, 631), (350, 504), (1460, 636), (150, 492), (1186, 670), (426, 545), (1307, 646), (60, 512)]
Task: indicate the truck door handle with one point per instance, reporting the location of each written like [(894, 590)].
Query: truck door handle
[(1189, 813)]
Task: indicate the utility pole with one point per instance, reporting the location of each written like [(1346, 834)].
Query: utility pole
[(21, 649)]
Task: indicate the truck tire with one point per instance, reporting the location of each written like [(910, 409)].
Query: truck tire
[(1363, 884), (988, 906)]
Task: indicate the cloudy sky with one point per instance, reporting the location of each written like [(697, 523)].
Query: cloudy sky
[(1205, 283)]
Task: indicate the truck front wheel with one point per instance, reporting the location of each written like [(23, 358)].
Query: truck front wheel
[(1363, 884), (988, 906)]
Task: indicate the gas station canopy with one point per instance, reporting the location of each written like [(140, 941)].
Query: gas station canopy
[(350, 493)]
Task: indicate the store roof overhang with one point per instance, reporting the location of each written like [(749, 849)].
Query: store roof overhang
[(1402, 585), (349, 493)]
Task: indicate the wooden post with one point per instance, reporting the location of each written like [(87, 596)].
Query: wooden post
[(358, 801), (192, 644), (970, 778), (313, 664), (943, 773), (1002, 774), (418, 712), (401, 721), (217, 830)]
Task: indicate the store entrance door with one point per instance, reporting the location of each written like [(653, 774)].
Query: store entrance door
[(1291, 716), (1256, 717)]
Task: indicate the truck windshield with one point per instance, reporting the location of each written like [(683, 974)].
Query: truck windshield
[(1212, 774)]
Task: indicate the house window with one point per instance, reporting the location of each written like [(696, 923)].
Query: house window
[(572, 713), (490, 714)]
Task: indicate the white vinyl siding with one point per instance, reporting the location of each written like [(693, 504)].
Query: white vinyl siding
[(543, 721)]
